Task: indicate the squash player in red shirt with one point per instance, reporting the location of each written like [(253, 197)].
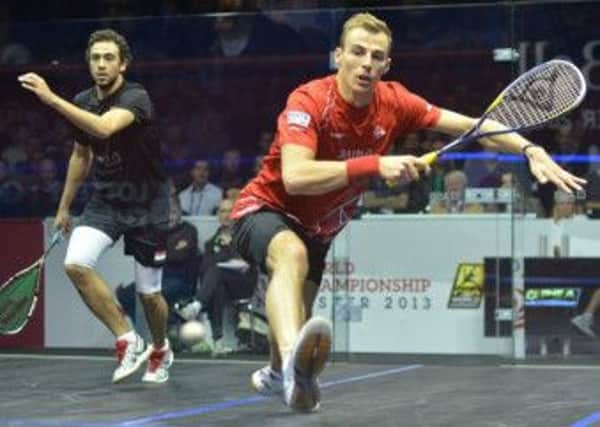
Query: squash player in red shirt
[(331, 137)]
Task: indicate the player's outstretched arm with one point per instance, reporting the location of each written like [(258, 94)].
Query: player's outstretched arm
[(302, 174), (542, 166), (545, 169), (101, 126)]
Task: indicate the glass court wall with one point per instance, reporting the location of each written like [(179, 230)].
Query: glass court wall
[(476, 259)]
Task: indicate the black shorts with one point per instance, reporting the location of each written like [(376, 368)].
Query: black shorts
[(144, 228), (253, 232)]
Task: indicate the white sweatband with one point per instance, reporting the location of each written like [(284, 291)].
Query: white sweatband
[(148, 280), (86, 245)]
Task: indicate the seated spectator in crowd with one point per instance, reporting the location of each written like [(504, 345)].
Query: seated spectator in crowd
[(484, 172), (12, 194), (200, 197), (565, 208), (521, 203), (568, 140), (45, 193), (453, 199), (177, 151), (15, 152), (232, 174), (225, 277), (245, 31)]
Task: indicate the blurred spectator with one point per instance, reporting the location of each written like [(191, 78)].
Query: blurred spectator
[(265, 139), (225, 277), (568, 144), (45, 193), (484, 172), (12, 51), (453, 200), (177, 151), (521, 202), (251, 32), (200, 197), (565, 208), (12, 194), (35, 150), (15, 153), (411, 144), (417, 192), (568, 140), (232, 174)]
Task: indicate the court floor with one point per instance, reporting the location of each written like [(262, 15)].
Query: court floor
[(75, 391)]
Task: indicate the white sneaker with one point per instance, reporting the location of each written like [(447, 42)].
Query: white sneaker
[(130, 356), (267, 382), (188, 311), (301, 390), (584, 325), (159, 363)]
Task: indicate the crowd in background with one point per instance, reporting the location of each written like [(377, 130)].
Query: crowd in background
[(218, 83)]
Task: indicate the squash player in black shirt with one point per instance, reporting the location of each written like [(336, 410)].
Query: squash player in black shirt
[(114, 128)]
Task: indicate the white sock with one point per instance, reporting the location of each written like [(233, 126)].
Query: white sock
[(130, 336), (587, 317)]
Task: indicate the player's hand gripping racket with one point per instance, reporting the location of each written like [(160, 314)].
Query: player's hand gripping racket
[(19, 294), (537, 97)]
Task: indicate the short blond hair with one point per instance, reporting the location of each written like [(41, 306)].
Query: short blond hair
[(367, 22)]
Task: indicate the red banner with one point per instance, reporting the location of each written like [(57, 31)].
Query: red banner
[(22, 244)]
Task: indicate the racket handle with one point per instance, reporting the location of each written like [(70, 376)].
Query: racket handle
[(430, 158), (57, 237)]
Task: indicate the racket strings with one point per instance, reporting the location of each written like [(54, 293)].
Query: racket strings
[(540, 96)]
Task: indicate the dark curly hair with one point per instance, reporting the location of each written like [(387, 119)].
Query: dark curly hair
[(111, 36)]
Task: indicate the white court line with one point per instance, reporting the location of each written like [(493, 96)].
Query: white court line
[(110, 358), (554, 367)]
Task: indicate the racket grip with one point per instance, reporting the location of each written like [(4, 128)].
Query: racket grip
[(430, 158)]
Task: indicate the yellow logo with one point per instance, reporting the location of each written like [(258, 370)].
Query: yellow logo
[(468, 286)]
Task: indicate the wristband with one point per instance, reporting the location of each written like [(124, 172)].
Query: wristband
[(362, 167)]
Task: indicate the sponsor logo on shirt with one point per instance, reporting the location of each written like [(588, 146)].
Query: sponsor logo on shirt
[(378, 132), (337, 135), (348, 153), (298, 118)]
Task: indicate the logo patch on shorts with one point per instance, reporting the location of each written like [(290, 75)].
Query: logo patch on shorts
[(160, 256), (298, 118)]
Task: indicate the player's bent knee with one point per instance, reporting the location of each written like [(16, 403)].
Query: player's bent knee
[(286, 247)]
